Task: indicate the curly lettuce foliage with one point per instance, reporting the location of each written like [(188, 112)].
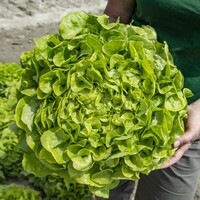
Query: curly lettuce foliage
[(101, 102), (18, 192)]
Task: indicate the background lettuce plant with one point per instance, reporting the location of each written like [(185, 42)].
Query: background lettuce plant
[(10, 75), (100, 102), (18, 192)]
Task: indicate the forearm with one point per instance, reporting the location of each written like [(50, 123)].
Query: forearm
[(120, 8)]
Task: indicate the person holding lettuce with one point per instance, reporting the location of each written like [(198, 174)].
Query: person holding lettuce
[(177, 23)]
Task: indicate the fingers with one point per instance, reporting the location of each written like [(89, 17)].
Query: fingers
[(188, 137), (178, 154), (183, 144)]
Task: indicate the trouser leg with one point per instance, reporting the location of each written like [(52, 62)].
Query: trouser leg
[(122, 192), (177, 182)]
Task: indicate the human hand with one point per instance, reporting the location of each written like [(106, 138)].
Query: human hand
[(192, 133)]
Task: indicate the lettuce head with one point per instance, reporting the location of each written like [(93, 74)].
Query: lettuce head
[(100, 102)]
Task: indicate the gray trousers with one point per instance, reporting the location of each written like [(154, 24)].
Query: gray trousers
[(177, 182)]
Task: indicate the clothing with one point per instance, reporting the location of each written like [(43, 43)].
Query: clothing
[(178, 23)]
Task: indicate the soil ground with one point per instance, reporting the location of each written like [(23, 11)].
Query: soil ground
[(22, 21)]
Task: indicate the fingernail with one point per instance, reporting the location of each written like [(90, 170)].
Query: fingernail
[(177, 144)]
